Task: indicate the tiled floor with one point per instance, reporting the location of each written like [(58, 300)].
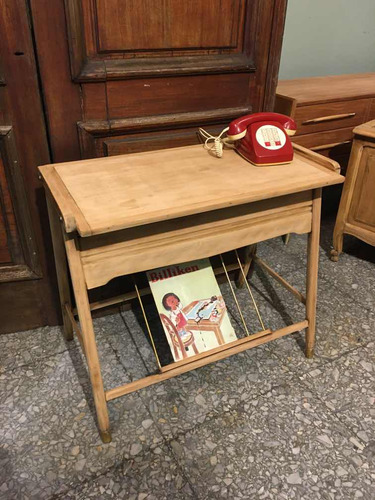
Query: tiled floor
[(263, 424)]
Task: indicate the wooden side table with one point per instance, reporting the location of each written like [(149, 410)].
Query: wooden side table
[(356, 215), (121, 215)]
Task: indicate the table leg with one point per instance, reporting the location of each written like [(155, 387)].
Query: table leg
[(61, 267), (250, 251), (286, 238), (312, 272), (88, 336)]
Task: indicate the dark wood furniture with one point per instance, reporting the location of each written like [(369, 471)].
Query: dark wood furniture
[(327, 109), (356, 215), (27, 297), (113, 77)]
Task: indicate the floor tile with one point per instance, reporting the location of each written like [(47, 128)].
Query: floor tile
[(266, 423), (353, 274), (154, 475), (352, 277), (282, 445), (181, 403), (342, 325), (347, 387), (49, 434), (23, 348)]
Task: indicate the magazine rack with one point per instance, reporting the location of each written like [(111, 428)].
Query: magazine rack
[(121, 215)]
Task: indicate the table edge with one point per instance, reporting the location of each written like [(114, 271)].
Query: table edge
[(74, 219)]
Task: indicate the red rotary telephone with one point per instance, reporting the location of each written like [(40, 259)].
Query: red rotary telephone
[(262, 138)]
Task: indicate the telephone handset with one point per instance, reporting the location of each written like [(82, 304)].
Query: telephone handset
[(261, 138)]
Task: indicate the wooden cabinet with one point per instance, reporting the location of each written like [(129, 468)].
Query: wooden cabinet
[(356, 214), (327, 109), (91, 78)]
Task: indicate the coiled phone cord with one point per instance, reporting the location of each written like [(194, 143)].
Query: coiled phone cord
[(218, 145)]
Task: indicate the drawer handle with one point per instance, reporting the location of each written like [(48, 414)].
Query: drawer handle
[(328, 118), (329, 146)]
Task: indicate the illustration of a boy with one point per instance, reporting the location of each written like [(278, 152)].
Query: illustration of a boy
[(172, 304)]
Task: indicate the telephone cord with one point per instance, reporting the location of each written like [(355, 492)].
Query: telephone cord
[(218, 142)]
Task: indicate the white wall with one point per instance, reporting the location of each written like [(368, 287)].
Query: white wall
[(328, 37)]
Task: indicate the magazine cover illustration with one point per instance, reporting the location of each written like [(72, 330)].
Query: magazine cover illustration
[(191, 308)]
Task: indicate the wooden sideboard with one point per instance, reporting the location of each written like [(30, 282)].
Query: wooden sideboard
[(327, 109), (356, 214)]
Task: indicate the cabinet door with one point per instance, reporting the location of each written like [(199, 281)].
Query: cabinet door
[(362, 210), (26, 294)]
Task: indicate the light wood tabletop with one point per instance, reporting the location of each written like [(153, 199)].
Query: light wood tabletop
[(149, 187)]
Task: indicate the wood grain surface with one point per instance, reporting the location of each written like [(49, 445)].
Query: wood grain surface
[(328, 88), (126, 191)]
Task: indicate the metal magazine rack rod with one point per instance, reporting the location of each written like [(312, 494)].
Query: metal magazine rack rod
[(218, 349)]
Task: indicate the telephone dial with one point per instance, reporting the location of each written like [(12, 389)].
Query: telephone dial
[(261, 138)]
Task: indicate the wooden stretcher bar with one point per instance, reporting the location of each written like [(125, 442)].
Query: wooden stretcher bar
[(75, 326), (215, 350), (280, 279), (240, 346)]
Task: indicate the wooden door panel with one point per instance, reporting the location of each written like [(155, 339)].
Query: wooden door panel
[(151, 141), (144, 25), (127, 135), (18, 251), (4, 249), (221, 62), (136, 143), (26, 282), (147, 97), (362, 212), (111, 39), (8, 230), (94, 101), (128, 85)]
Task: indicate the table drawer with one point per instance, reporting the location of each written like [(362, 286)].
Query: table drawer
[(331, 115), (325, 140)]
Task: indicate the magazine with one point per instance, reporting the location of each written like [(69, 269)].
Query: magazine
[(191, 308)]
